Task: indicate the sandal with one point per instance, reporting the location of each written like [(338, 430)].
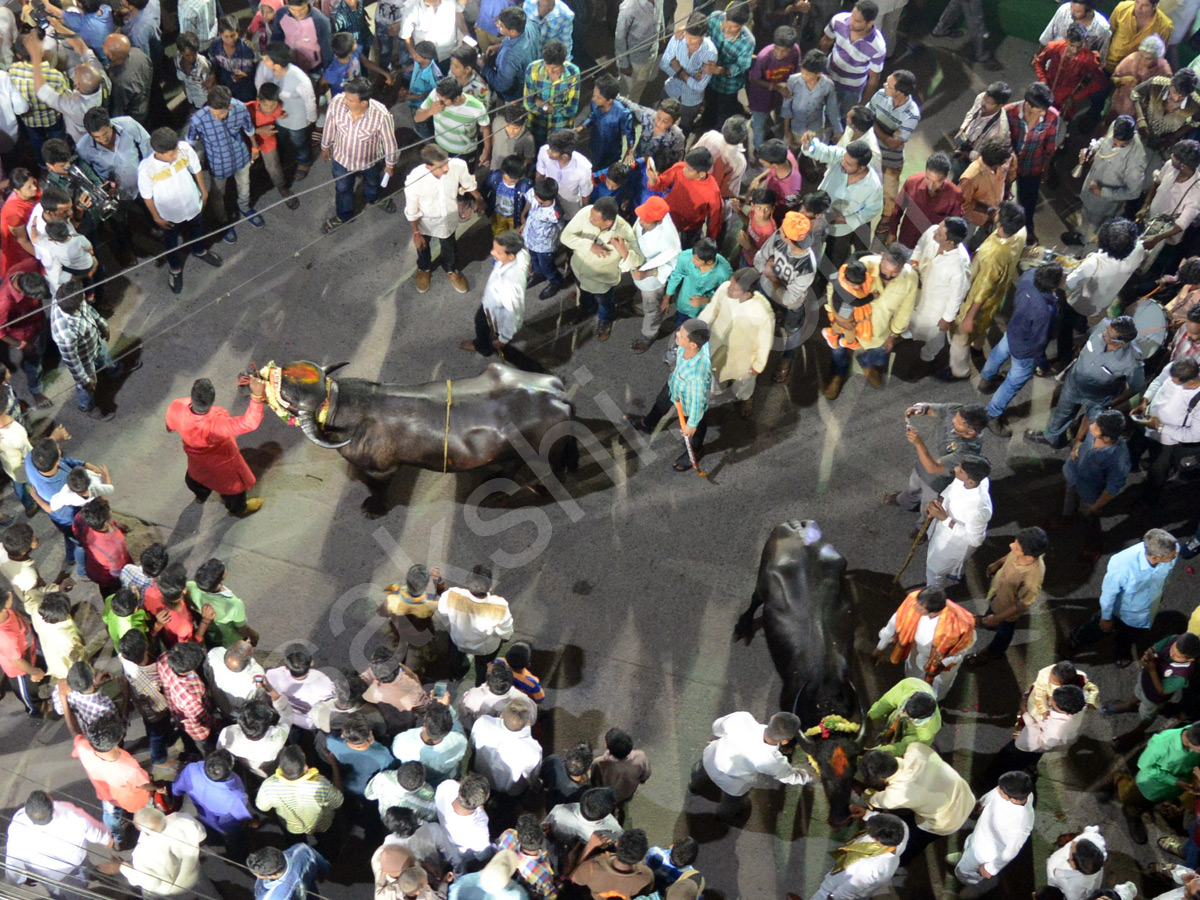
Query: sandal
[(1173, 845), (782, 372)]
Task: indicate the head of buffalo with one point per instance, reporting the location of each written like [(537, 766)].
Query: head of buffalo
[(304, 388)]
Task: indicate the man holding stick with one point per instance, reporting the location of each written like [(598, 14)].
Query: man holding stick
[(688, 386)]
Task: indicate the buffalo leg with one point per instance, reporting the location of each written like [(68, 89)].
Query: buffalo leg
[(375, 505), (744, 629)]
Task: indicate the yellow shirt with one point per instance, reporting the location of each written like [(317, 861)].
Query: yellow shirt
[(1126, 36)]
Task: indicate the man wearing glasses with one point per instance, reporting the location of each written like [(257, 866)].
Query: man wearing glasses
[(1107, 370)]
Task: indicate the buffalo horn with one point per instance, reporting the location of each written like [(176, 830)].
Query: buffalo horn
[(335, 367), (312, 431)]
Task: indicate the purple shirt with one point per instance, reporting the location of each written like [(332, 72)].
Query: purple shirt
[(768, 68)]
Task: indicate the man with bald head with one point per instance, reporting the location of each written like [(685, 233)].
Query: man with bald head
[(233, 673), (389, 864), (88, 78), (132, 75)]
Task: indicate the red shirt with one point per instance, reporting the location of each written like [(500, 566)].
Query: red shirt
[(1072, 81), (180, 628), (16, 642), (15, 305), (121, 781), (14, 214), (104, 552), (265, 143), (692, 202), (922, 209)]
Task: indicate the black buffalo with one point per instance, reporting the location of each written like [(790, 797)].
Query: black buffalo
[(810, 633), (378, 428)]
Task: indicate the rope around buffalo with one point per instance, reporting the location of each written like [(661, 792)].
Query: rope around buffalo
[(446, 439)]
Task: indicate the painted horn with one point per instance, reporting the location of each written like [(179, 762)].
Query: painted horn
[(312, 431)]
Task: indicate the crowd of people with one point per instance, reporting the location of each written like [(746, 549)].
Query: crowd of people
[(753, 227)]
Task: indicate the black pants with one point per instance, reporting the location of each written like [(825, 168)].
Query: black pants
[(482, 661), (1164, 460), (1126, 638), (1028, 187), (918, 840), (1003, 637), (1010, 759), (838, 249), (448, 256), (662, 406), (1070, 323), (717, 108), (235, 503), (512, 356)]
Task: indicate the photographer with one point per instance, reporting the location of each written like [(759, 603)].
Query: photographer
[(64, 170), (1171, 431), (984, 121)]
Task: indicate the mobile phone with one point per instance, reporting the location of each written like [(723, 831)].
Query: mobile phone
[(470, 41), (439, 690)]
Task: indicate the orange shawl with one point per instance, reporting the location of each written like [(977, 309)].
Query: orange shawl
[(954, 633)]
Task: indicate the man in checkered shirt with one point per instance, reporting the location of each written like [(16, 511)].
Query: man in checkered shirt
[(81, 337)]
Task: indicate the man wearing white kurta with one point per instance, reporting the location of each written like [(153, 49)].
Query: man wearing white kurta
[(658, 240), (48, 840), (1001, 831), (1061, 871), (166, 860), (961, 517), (866, 870), (502, 310), (505, 751), (944, 265), (917, 661), (745, 754), (742, 327)]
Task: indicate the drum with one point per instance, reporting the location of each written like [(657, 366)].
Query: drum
[(1151, 321)]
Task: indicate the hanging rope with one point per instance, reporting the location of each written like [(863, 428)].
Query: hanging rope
[(446, 440)]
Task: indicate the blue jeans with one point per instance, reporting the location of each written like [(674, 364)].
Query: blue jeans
[(424, 129), (104, 365), (22, 492), (1069, 402), (876, 358), (162, 735), (1018, 375), (74, 549), (345, 181), (183, 232), (38, 135), (601, 303), (29, 360), (758, 125), (300, 140), (114, 818), (543, 264), (847, 100)]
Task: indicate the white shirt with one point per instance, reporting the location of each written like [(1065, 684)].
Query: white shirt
[(480, 701), (1169, 403), (36, 229), (506, 758), (1180, 199), (872, 141), (302, 693), (467, 833), (14, 444), (1093, 285), (73, 253), (1060, 874), (1057, 730), (166, 863), (12, 104), (660, 245), (740, 759), (475, 626), (296, 97), (574, 179), (172, 185), (52, 850), (945, 278), (67, 497), (1099, 32), (261, 753), (75, 105), (567, 823), (440, 25), (918, 656), (1001, 832), (239, 687), (433, 201), (504, 295), (971, 510), (863, 877)]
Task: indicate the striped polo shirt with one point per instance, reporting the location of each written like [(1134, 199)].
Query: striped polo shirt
[(851, 61), (456, 128), (900, 121)]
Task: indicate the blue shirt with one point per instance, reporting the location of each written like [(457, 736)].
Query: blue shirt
[(338, 73), (144, 30), (92, 28), (220, 805), (688, 91), (466, 887), (1097, 471), (542, 226), (506, 199), (507, 76), (1032, 318), (304, 866), (690, 281), (488, 11), (225, 147), (49, 485), (1132, 586), (422, 81), (607, 130), (357, 767)]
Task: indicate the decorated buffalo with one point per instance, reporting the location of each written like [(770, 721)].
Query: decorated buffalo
[(444, 426), (810, 634)]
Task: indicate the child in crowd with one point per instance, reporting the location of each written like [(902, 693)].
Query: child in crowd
[(424, 78), (82, 485), (229, 622), (194, 71), (348, 62), (57, 634), (70, 253), (405, 787), (505, 192), (760, 223), (260, 26), (122, 613), (518, 657), (541, 225), (264, 113), (149, 566), (511, 137), (103, 542), (616, 182)]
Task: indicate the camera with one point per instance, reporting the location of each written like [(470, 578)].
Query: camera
[(39, 19)]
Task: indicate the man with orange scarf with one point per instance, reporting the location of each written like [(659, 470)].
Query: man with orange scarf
[(930, 635)]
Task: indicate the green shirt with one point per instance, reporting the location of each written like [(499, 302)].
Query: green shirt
[(119, 625), (690, 281), (230, 615), (1164, 761), (891, 705), (456, 128)]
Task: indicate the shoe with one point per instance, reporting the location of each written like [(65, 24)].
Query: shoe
[(230, 236), (891, 498), (997, 427), (1174, 845), (41, 401), (253, 505), (549, 291), (251, 215), (175, 280), (953, 858), (329, 224), (684, 463), (782, 373), (948, 375), (1137, 828), (989, 385), (388, 205), (874, 376), (421, 280), (1072, 237), (196, 499), (1038, 437), (641, 345), (129, 368), (292, 203), (209, 257), (834, 388), (459, 282), (639, 424), (99, 415), (746, 408), (301, 173), (1109, 708), (1030, 239), (978, 659), (603, 331)]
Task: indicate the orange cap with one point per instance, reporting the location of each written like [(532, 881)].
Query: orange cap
[(655, 209)]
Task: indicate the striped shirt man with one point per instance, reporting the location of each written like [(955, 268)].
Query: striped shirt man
[(851, 61), (900, 120), (689, 87), (456, 128), (306, 805), (357, 143)]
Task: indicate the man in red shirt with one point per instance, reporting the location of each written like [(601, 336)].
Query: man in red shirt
[(103, 542), (1073, 71), (18, 655), (22, 295), (210, 441), (15, 245), (122, 786), (173, 618), (693, 196), (926, 199)]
